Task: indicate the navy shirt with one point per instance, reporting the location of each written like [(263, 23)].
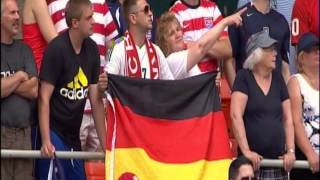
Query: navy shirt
[(253, 22), (263, 115)]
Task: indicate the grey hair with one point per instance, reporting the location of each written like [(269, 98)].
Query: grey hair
[(253, 59)]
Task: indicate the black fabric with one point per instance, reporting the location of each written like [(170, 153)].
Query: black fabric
[(253, 22), (168, 106), (15, 109), (298, 174), (262, 118), (67, 71)]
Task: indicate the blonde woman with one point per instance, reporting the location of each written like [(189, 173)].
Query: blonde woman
[(304, 95), (183, 61)]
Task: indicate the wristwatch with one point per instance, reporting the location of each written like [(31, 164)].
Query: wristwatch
[(291, 150)]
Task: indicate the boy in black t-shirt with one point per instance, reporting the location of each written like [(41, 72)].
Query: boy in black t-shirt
[(69, 74)]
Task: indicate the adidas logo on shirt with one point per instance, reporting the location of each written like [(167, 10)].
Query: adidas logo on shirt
[(76, 89)]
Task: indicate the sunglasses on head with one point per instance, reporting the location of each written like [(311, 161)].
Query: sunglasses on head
[(248, 178), (145, 10)]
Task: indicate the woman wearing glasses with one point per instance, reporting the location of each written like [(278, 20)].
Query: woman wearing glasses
[(260, 109)]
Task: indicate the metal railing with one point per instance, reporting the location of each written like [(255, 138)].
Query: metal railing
[(8, 153)]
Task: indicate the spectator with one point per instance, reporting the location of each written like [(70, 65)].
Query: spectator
[(19, 85), (196, 17), (69, 74), (305, 18), (146, 59), (304, 95), (182, 61), (241, 169), (284, 7), (260, 16), (118, 17), (104, 31), (260, 101), (37, 28)]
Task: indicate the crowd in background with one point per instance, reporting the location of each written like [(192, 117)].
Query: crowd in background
[(53, 81)]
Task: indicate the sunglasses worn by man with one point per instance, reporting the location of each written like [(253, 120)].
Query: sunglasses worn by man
[(145, 10)]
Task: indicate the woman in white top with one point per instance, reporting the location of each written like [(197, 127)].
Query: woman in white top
[(182, 60), (304, 95)]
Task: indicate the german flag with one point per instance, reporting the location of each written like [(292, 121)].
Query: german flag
[(166, 130)]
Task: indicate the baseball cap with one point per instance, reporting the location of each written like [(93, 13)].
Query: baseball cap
[(259, 40), (307, 41)]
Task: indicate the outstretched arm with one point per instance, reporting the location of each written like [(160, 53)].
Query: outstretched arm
[(203, 45)]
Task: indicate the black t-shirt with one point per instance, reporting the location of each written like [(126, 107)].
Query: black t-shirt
[(71, 74), (263, 118), (253, 22)]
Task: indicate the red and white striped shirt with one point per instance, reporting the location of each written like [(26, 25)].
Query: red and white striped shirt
[(104, 28), (196, 21)]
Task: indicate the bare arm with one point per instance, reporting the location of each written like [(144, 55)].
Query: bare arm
[(301, 138), (42, 17), (203, 45), (287, 124), (28, 88), (98, 113), (45, 93), (285, 71), (9, 84), (229, 71), (221, 49), (289, 157), (238, 104)]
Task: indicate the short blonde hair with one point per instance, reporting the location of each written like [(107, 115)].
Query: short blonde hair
[(254, 58), (162, 32)]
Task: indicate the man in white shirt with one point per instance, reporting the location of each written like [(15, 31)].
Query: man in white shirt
[(136, 56)]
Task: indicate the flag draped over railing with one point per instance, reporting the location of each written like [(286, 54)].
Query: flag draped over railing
[(166, 130)]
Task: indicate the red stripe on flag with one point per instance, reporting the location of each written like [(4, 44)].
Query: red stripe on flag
[(171, 141)]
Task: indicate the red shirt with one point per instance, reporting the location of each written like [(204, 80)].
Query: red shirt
[(305, 18)]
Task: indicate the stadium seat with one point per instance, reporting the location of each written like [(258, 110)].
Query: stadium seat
[(95, 170), (225, 94)]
